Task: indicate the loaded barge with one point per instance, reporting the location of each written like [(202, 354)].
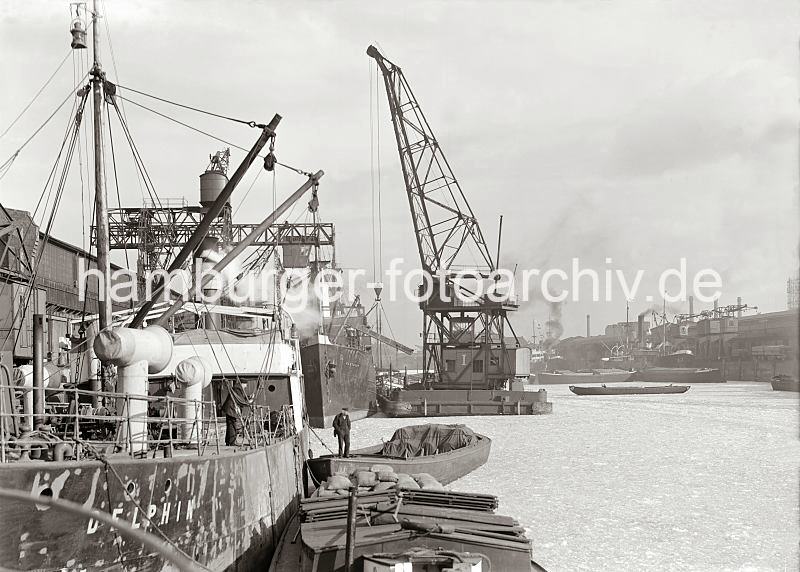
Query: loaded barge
[(459, 402), (404, 530)]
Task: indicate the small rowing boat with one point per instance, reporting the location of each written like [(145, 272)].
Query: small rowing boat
[(628, 390)]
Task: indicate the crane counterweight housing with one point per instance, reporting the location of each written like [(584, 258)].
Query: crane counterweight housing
[(464, 344)]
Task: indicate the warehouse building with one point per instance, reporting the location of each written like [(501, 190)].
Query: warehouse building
[(56, 295)]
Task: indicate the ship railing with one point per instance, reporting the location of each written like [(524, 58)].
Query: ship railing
[(266, 425), (71, 427)]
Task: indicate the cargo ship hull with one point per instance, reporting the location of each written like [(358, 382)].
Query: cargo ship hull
[(337, 376), (226, 511), (679, 375), (571, 377)]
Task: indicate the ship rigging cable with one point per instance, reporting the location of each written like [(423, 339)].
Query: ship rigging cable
[(114, 165), (4, 168), (70, 141), (35, 97), (234, 145), (235, 120)]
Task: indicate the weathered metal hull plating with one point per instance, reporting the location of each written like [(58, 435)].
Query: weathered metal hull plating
[(227, 511), (350, 383)]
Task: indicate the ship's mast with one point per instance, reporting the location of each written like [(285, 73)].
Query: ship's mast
[(100, 207), (627, 324)]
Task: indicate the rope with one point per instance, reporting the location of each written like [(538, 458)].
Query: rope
[(372, 169), (116, 178), (198, 110), (70, 143), (378, 162), (38, 93), (7, 163), (321, 441), (207, 134)]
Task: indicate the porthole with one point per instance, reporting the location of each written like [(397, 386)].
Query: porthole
[(168, 485), (271, 387), (130, 487), (45, 492)]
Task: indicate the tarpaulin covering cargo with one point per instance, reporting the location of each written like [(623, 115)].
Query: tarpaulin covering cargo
[(430, 439)]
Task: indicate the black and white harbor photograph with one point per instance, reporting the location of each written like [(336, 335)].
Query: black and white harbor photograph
[(423, 286)]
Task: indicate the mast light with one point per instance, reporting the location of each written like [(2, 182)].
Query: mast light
[(78, 26)]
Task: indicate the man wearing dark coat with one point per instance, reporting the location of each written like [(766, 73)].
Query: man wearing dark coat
[(235, 406), (341, 428)]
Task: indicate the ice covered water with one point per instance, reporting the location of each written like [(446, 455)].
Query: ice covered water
[(706, 480)]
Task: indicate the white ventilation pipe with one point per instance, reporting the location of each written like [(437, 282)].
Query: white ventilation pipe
[(135, 353), (192, 375), (23, 378), (54, 378)]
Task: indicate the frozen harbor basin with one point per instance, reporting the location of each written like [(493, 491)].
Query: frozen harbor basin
[(706, 480)]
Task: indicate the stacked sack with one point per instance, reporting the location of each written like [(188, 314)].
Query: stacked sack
[(377, 478)]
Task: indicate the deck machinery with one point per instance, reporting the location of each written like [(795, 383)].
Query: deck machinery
[(465, 340)]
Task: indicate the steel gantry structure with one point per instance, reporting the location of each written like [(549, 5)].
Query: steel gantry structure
[(158, 227), (155, 230), (464, 342)]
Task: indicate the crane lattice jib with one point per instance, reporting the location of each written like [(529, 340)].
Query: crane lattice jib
[(444, 223)]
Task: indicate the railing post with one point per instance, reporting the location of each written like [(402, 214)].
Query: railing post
[(195, 428), (128, 424), (259, 418), (77, 415), (269, 426), (216, 424), (203, 425), (170, 447), (3, 424)]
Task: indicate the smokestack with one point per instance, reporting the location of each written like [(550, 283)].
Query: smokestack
[(640, 330), (716, 306), (588, 325), (691, 305), (739, 303)]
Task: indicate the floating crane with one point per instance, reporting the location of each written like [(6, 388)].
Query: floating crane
[(464, 343)]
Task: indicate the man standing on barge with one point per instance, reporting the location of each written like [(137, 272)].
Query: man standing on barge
[(341, 428)]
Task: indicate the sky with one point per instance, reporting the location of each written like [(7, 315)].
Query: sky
[(641, 132)]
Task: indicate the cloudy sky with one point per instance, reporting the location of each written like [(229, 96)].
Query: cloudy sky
[(638, 131)]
